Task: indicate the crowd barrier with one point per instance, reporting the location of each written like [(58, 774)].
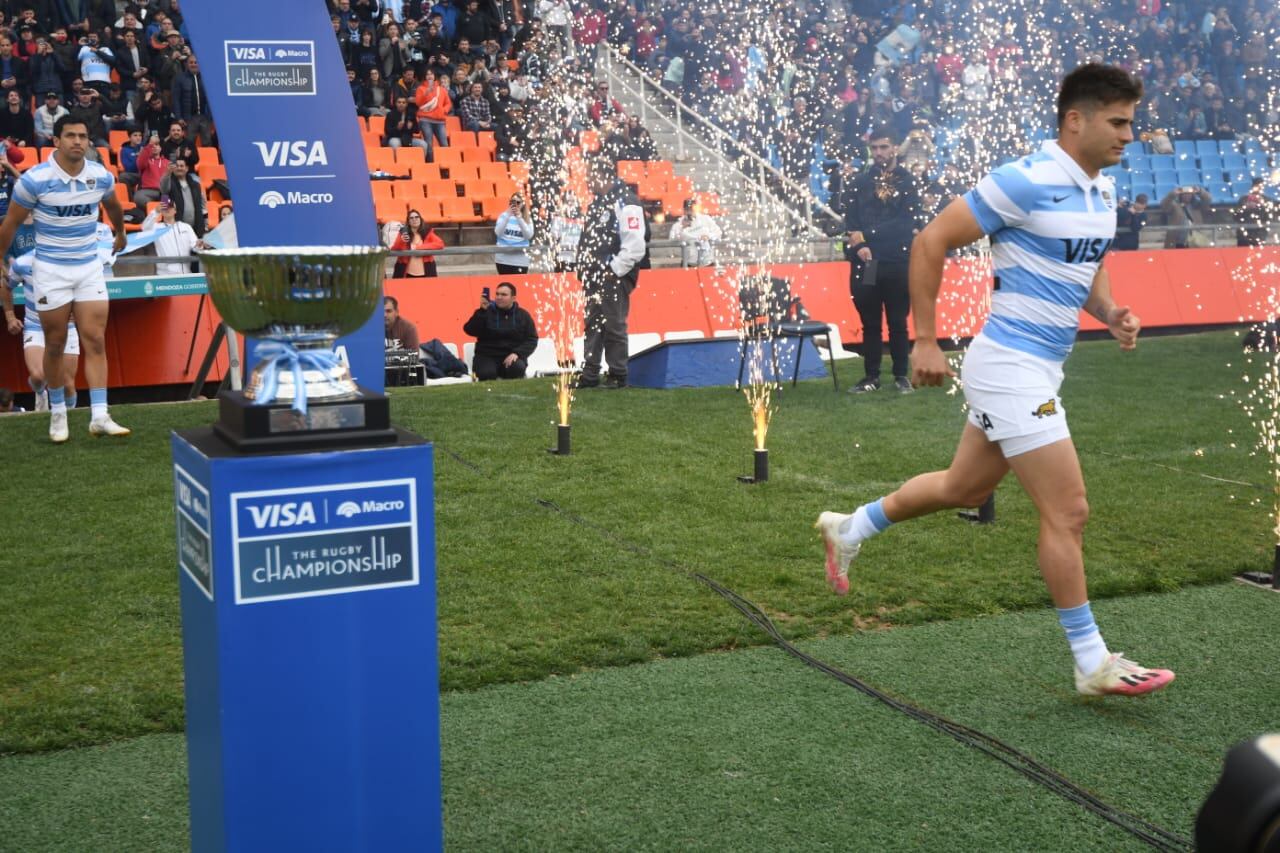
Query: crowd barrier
[(148, 339)]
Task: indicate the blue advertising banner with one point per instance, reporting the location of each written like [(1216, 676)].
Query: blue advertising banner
[(287, 130)]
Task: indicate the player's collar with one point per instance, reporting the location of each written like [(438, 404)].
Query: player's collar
[(59, 172), (1070, 166)]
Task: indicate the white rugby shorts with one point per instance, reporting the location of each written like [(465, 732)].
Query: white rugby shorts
[(54, 285), (33, 336), (1013, 397)]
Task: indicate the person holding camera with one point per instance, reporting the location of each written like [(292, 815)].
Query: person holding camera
[(88, 111), (1131, 218), (513, 231), (416, 236), (152, 168), (505, 335), (96, 63)]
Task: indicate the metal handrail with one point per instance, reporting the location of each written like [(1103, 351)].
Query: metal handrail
[(764, 167)]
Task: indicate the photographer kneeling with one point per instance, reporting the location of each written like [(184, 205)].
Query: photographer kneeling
[(505, 335)]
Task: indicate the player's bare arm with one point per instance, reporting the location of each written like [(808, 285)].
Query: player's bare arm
[(115, 213), (1123, 324), (12, 324), (951, 229)]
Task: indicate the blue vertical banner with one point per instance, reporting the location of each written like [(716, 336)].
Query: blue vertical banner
[(287, 131)]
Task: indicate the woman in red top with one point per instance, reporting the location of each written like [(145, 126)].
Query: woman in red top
[(416, 236)]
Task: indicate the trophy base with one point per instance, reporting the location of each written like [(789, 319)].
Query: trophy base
[(277, 428)]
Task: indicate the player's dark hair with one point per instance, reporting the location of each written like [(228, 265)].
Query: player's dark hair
[(395, 303), (1095, 85), (882, 131), (64, 121), (509, 286)]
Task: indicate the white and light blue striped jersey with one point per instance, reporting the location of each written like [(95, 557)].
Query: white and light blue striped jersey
[(1050, 226), (65, 210), (93, 67)]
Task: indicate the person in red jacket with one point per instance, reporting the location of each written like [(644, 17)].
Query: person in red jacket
[(152, 166), (417, 236), (434, 103)]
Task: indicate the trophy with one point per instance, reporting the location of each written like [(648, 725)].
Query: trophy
[(298, 300)]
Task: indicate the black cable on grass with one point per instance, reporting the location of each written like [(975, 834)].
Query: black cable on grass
[(1150, 833)]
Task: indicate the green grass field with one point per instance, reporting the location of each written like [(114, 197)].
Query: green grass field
[(91, 650)]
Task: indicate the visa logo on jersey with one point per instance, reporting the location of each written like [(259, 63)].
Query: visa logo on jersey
[(292, 153), (1086, 250), (288, 514), (75, 209)]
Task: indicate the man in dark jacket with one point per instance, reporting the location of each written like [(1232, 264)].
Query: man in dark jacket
[(505, 336), (882, 215), (191, 104)]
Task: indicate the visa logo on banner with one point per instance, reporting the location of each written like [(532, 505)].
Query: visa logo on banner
[(314, 509), (270, 67), (292, 153)]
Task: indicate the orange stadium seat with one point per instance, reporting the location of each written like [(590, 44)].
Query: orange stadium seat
[(486, 141), (708, 203), (651, 190), (518, 170), (476, 155), (661, 169), (380, 159), (441, 189), (208, 154), (31, 156), (491, 171), (478, 190), (504, 189), (389, 210), (590, 140), (673, 205), (459, 210), (464, 171), (381, 190), (409, 190), (680, 185), (408, 156), (452, 125), (444, 157), (425, 172), (493, 207), (631, 171), (210, 172), (428, 207), (117, 138)]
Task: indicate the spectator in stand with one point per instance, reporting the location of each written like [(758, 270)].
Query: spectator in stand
[(115, 109), (603, 105), (1254, 213), (566, 233), (509, 132), (1130, 220), (474, 110), (176, 146), (394, 53), (177, 240), (698, 234), (374, 99), (133, 60), (589, 29), (156, 117), (416, 236), (16, 122), (434, 105), (43, 120), (478, 25), (639, 144), (1184, 209), (458, 87), (186, 195), (88, 109), (505, 336), (44, 70), (127, 157), (191, 104), (557, 17), (406, 84), (96, 63), (13, 69), (152, 167), (513, 231), (398, 333), (400, 126)]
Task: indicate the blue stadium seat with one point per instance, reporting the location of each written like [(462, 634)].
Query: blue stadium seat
[(1251, 145), (1135, 149), (1162, 161), (1208, 176), (1221, 193), (1228, 146), (1211, 162), (1148, 190), (1165, 176), (1257, 164), (1240, 186), (1188, 176), (1206, 146), (1162, 190), (1233, 162), (1138, 162), (1184, 146), (1184, 161)]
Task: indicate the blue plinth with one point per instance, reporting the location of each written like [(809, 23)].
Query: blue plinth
[(714, 361), (309, 638)]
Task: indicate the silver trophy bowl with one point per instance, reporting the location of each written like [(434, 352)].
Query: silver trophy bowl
[(298, 300)]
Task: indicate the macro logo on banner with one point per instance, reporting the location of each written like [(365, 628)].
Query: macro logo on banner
[(287, 131), (352, 537)]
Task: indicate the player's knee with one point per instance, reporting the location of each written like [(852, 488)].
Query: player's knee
[(92, 344), (1072, 514)]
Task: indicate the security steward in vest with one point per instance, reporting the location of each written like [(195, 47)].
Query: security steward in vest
[(613, 249), (882, 213)]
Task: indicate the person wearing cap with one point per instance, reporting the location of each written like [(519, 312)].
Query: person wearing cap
[(115, 109), (45, 116), (88, 111), (177, 239)]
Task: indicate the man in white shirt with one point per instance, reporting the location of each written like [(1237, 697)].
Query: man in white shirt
[(698, 235), (177, 238), (48, 113)]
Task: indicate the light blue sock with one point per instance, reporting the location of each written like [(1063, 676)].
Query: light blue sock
[(71, 399), (98, 402), (1085, 638), (57, 402), (866, 521)]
